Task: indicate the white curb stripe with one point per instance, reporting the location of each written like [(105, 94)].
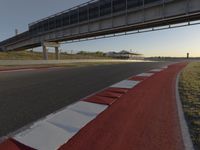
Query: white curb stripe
[(71, 121), (88, 108), (165, 67), (145, 74), (156, 70), (128, 84), (57, 129), (44, 136)]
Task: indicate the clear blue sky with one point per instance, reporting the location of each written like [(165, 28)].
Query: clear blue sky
[(174, 42)]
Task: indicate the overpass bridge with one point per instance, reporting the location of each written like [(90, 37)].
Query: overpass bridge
[(100, 18)]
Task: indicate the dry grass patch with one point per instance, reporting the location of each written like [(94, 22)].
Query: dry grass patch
[(26, 55)]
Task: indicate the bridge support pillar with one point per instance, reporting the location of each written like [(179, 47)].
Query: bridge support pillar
[(45, 52), (57, 53), (55, 45)]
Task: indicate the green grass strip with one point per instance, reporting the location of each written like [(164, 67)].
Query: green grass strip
[(189, 88)]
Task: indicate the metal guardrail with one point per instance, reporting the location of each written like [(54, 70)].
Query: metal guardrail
[(62, 12), (92, 2)]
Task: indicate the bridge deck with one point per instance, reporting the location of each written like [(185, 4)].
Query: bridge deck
[(104, 18)]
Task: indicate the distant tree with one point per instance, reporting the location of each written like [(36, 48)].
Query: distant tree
[(82, 53), (98, 53)]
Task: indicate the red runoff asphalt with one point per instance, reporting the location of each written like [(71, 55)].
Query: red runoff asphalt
[(146, 118)]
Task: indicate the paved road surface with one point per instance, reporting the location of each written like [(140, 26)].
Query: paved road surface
[(29, 95)]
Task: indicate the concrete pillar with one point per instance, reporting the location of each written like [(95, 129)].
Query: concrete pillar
[(45, 52), (57, 53)]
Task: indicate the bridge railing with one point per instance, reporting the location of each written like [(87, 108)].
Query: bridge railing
[(87, 12)]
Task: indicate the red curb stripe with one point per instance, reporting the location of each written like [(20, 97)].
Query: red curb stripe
[(138, 78), (118, 90), (27, 69), (100, 100), (17, 70), (109, 94)]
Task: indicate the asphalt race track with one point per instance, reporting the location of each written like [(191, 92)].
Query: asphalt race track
[(27, 96)]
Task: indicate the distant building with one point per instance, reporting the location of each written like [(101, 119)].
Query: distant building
[(124, 55)]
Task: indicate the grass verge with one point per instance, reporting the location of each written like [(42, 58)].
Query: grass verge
[(26, 55), (189, 88)]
